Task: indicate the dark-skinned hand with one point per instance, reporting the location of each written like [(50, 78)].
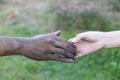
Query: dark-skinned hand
[(48, 47)]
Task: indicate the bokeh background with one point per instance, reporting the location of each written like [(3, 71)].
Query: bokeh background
[(27, 18)]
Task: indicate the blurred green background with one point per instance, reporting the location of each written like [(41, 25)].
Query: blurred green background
[(27, 18)]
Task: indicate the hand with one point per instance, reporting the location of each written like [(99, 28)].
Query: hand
[(48, 47), (88, 42)]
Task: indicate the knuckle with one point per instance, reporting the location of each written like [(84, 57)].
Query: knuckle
[(77, 35), (49, 40)]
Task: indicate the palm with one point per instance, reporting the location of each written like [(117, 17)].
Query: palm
[(85, 47)]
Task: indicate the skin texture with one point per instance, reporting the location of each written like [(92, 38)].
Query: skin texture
[(40, 48), (92, 41)]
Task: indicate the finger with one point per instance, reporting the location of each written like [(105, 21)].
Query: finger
[(74, 40), (66, 46), (79, 37), (57, 33), (71, 40), (62, 53), (60, 59), (67, 60), (79, 55)]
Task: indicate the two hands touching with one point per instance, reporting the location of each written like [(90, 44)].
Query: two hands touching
[(52, 47), (92, 41), (88, 42)]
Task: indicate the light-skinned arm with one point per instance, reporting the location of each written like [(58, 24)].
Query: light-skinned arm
[(92, 41)]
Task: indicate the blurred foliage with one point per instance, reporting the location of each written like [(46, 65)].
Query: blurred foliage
[(116, 4), (70, 16), (103, 65), (85, 21)]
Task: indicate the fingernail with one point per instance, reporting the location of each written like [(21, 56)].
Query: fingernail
[(71, 60), (75, 40)]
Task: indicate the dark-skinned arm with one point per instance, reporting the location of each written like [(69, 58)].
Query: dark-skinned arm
[(41, 47)]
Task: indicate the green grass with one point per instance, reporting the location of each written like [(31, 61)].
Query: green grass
[(104, 65)]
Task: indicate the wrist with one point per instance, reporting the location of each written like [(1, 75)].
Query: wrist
[(10, 46), (19, 46), (105, 40), (111, 40)]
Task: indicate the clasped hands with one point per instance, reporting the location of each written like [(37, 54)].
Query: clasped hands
[(52, 47)]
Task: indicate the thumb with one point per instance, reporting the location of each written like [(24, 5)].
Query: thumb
[(57, 33), (71, 40), (78, 38)]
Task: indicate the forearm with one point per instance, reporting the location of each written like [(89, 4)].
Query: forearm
[(10, 45), (112, 39)]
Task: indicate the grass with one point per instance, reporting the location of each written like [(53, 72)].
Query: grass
[(104, 65)]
